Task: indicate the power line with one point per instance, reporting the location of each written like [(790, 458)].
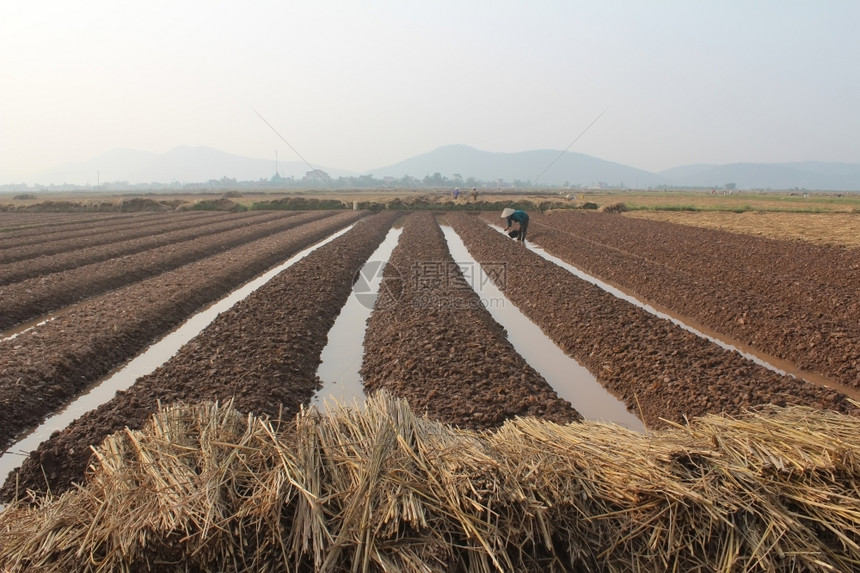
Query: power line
[(327, 182), (568, 147)]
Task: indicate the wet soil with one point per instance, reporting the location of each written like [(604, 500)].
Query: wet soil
[(34, 297), (659, 369), (262, 354), (45, 367), (431, 341), (796, 301)]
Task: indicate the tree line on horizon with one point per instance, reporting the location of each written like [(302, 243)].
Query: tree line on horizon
[(315, 178)]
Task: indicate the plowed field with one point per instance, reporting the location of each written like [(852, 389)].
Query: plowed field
[(797, 301), (429, 338)]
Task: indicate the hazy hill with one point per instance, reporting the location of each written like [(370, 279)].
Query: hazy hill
[(543, 167)]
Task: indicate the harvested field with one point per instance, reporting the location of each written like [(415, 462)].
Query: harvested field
[(829, 229), (515, 484)]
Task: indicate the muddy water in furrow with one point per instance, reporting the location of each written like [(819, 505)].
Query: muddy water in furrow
[(569, 379), (341, 358), (788, 299)]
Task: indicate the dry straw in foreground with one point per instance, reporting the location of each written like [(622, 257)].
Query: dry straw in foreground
[(203, 487)]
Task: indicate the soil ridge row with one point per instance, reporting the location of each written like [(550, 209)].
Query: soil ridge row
[(61, 242), (431, 341), (812, 324), (45, 367), (659, 369), (38, 296), (263, 354)]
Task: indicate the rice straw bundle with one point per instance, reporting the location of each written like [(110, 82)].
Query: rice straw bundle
[(380, 489)]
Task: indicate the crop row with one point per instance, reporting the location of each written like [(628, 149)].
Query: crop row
[(101, 233), (115, 244), (19, 225)]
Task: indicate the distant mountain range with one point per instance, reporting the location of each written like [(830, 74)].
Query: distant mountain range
[(539, 167), (183, 165), (549, 167)]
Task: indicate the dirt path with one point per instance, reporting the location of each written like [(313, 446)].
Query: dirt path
[(431, 341), (655, 366), (44, 368), (796, 301)]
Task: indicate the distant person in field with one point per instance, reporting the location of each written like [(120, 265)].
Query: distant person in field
[(456, 193), (521, 218), (474, 193)]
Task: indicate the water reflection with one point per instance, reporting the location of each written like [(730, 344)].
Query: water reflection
[(341, 357)]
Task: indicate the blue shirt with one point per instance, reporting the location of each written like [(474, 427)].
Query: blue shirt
[(520, 217)]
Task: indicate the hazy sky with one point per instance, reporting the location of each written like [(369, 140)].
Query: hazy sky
[(364, 84)]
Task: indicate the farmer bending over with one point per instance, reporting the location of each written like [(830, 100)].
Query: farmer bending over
[(520, 217)]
